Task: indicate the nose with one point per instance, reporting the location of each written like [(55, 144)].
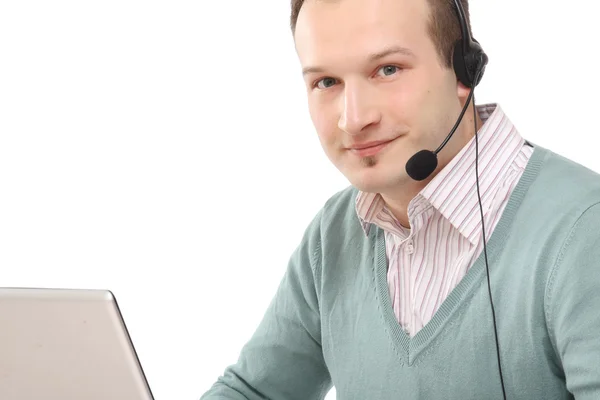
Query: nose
[(359, 109)]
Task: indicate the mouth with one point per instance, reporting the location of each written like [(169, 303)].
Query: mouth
[(370, 149)]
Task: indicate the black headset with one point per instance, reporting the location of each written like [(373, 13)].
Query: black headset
[(468, 56), (469, 62)]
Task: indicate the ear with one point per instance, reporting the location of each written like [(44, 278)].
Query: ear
[(462, 91)]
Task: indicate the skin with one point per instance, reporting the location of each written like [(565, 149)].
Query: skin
[(357, 94)]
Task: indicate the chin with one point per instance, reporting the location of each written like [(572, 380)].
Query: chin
[(374, 174), (374, 181)]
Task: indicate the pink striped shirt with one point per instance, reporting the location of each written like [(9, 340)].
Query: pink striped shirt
[(427, 260)]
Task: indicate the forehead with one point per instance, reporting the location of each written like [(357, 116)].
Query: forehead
[(335, 28)]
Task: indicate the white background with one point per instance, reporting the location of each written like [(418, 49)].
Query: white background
[(163, 150)]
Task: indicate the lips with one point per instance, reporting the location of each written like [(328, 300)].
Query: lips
[(369, 149), (369, 145)]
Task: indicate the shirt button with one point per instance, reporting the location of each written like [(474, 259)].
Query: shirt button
[(410, 247)]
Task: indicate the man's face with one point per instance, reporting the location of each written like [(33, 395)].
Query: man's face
[(372, 75)]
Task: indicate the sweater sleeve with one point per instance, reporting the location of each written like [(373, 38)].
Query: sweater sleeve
[(283, 359), (573, 306)]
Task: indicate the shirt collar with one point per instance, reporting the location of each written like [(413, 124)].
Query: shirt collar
[(453, 190)]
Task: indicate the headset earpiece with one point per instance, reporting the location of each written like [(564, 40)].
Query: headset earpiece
[(468, 55)]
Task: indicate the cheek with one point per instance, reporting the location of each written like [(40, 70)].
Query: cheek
[(326, 124), (401, 103), (414, 110)]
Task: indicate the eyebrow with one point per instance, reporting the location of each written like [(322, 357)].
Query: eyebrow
[(372, 57)]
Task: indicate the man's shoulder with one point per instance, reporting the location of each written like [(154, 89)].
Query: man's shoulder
[(561, 191), (342, 200), (568, 179), (338, 214)]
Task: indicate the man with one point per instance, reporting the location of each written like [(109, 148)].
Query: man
[(386, 296)]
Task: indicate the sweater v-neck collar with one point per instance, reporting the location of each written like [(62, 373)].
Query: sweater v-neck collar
[(411, 347)]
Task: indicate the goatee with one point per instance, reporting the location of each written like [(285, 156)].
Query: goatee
[(368, 161)]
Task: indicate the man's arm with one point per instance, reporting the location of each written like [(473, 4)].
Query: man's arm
[(283, 360), (573, 301)]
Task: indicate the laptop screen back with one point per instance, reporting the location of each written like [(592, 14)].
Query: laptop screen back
[(66, 344)]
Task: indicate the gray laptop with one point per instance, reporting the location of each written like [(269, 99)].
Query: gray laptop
[(61, 344)]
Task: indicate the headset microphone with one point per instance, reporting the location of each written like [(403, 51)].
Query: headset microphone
[(469, 61)]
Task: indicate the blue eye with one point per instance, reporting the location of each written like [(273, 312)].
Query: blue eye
[(389, 69), (328, 82)]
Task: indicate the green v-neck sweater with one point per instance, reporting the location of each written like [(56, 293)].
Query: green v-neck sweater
[(331, 322)]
